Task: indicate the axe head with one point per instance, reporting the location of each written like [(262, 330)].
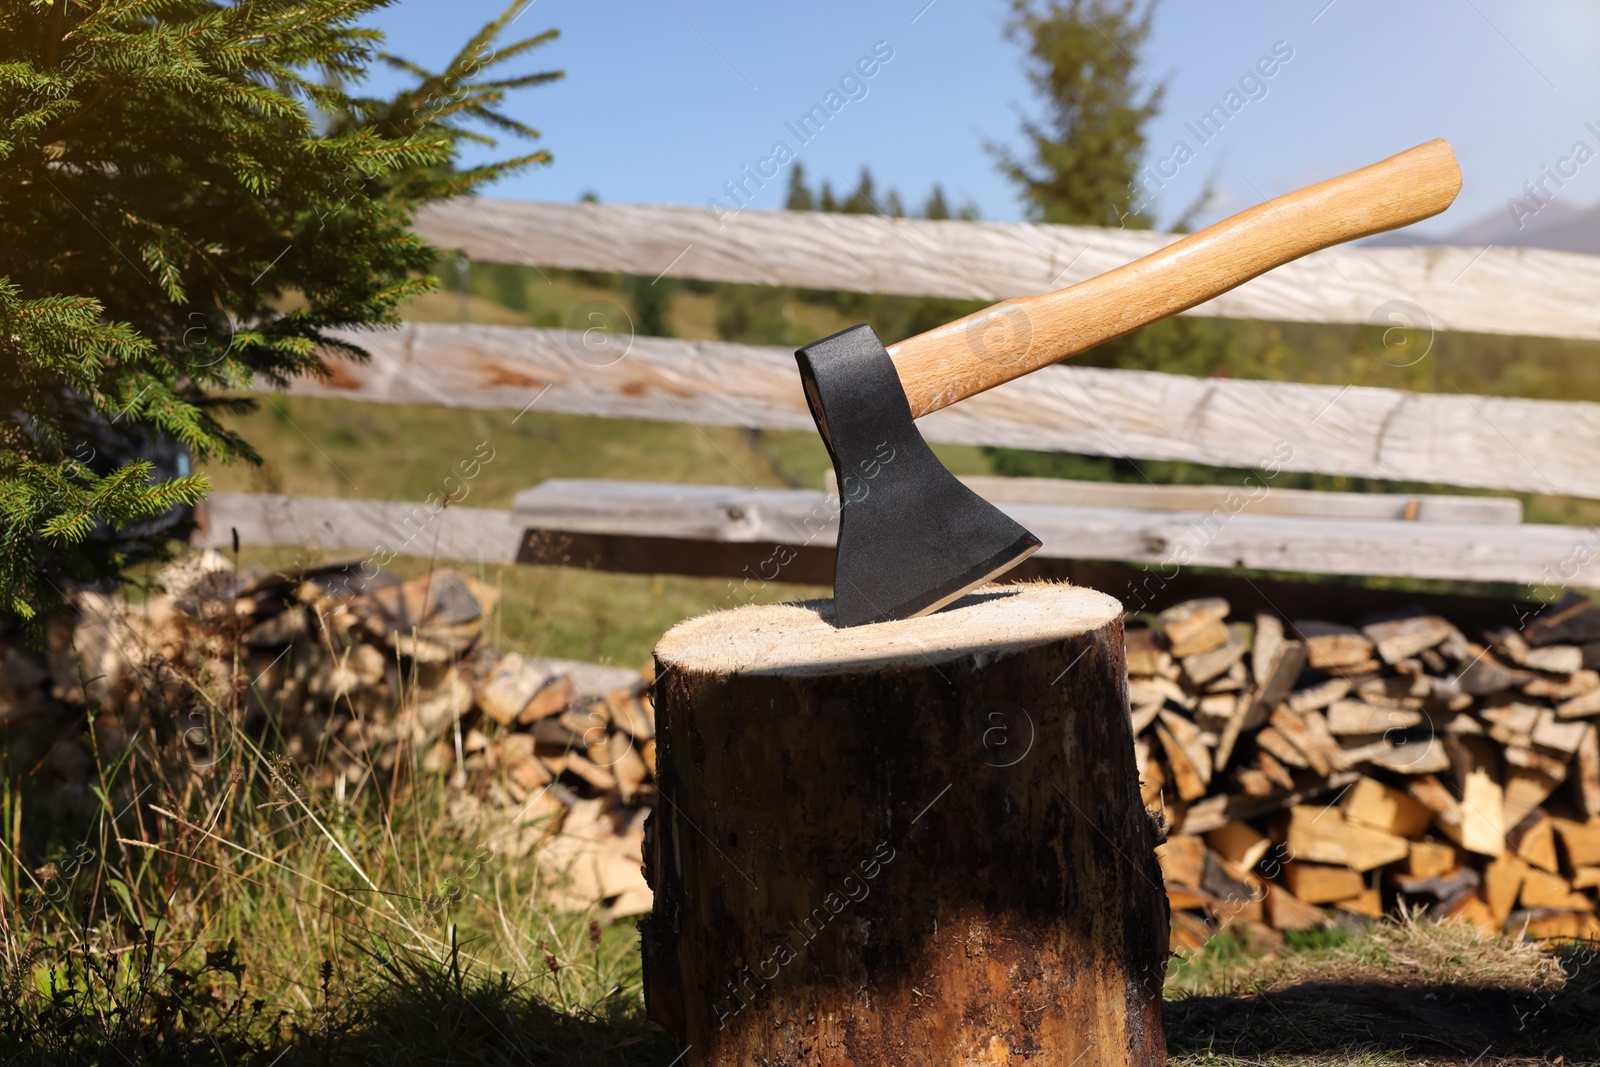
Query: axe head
[(911, 537)]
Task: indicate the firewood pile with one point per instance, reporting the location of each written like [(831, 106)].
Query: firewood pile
[(351, 677), (1315, 773), (1309, 772)]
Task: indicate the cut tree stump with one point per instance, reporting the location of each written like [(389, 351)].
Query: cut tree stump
[(917, 842)]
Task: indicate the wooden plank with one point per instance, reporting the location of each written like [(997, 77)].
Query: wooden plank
[(1459, 551), (1498, 290), (701, 515), (1509, 443), (746, 562), (378, 528), (1303, 502)]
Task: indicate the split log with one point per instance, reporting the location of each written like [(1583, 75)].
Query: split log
[(1534, 840), (1322, 835), (1502, 882), (1368, 902), (1285, 911), (1371, 803), (1317, 883), (1581, 841), (918, 842), (1430, 859), (1584, 783), (1239, 844), (1182, 858)]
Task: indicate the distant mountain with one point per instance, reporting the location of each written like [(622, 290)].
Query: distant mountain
[(1556, 226)]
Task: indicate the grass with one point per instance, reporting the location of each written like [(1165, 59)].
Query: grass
[(232, 915), (1400, 991), (343, 448)]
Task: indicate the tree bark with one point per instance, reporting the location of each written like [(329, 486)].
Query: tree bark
[(919, 842)]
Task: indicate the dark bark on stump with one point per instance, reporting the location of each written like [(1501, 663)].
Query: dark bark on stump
[(931, 851)]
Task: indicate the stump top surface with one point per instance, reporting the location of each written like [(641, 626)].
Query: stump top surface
[(800, 638)]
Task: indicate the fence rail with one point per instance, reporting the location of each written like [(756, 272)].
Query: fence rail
[(1525, 291), (1505, 443), (656, 520)]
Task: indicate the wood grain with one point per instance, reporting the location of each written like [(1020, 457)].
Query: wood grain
[(1525, 291), (917, 843), (367, 527), (1538, 446), (1003, 342)]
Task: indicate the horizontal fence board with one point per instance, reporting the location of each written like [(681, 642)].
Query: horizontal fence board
[(1526, 291), (1507, 443), (1536, 555), (1427, 507), (369, 527), (1140, 587)]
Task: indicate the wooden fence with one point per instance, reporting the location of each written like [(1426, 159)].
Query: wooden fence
[(1495, 443)]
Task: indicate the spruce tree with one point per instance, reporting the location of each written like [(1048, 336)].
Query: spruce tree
[(1082, 157), (799, 197), (176, 230), (1084, 152)]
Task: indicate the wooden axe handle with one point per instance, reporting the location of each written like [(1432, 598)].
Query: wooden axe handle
[(1010, 339)]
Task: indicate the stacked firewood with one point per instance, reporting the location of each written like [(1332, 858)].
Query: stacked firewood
[(1309, 772), (349, 672), (1312, 772)]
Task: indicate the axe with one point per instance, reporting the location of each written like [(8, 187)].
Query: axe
[(911, 537)]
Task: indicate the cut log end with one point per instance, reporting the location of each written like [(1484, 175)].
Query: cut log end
[(800, 639)]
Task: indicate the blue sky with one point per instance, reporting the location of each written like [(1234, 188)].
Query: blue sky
[(665, 100)]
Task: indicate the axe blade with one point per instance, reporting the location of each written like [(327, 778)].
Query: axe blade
[(911, 537)]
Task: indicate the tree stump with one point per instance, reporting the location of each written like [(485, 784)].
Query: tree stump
[(917, 842)]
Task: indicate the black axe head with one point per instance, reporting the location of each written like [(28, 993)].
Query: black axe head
[(911, 537)]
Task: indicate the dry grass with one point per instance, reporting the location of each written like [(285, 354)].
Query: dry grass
[(363, 932), (1401, 991), (231, 915)]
